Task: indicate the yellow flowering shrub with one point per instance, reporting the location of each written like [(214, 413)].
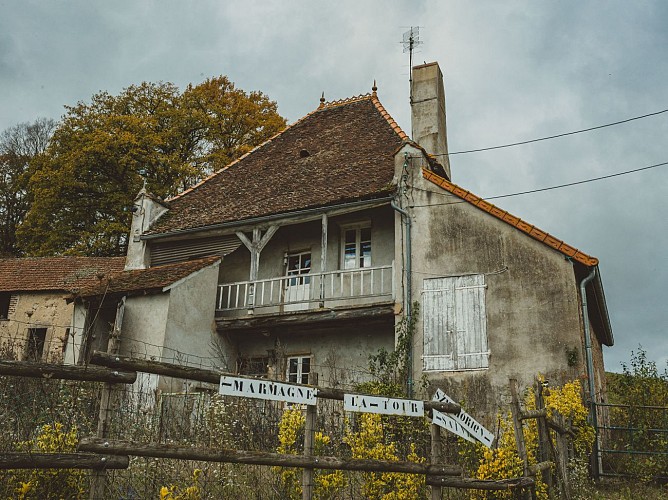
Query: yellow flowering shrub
[(191, 492), (49, 483), (369, 442), (504, 462), (567, 402), (326, 484)]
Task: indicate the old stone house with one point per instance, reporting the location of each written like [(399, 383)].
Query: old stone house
[(333, 229), (37, 319)]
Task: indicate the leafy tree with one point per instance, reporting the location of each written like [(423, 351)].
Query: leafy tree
[(18, 146), (103, 151)]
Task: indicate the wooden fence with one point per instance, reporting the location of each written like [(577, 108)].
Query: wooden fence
[(102, 453)]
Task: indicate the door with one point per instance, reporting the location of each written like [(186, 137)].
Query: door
[(298, 283)]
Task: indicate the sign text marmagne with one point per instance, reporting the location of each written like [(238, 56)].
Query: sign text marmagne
[(266, 389)]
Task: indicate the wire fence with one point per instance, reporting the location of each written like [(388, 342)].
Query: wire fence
[(634, 441), (45, 415)]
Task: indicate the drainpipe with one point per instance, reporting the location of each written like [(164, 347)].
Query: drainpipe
[(406, 217), (590, 368)]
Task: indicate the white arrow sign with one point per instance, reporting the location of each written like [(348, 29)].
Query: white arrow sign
[(450, 424), (386, 406), (265, 389), (466, 421)]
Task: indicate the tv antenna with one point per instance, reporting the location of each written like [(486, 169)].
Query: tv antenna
[(410, 41)]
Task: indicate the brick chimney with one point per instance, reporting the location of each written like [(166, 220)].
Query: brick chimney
[(428, 112)]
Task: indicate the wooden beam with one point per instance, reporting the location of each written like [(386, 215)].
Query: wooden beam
[(323, 257), (62, 461), (480, 484), (113, 447), (380, 311), (65, 372), (213, 376)]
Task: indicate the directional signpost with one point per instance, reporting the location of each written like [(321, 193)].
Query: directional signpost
[(265, 389), (465, 422), (450, 424), (385, 406)]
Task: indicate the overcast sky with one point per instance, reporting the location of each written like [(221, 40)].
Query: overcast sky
[(514, 70)]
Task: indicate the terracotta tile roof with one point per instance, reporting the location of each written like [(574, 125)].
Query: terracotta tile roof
[(342, 151), (55, 273), (144, 280), (508, 218)]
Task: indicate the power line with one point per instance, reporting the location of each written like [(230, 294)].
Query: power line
[(553, 136), (559, 186)]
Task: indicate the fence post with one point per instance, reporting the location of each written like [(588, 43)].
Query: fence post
[(516, 411), (544, 443), (98, 480), (309, 434), (436, 491)]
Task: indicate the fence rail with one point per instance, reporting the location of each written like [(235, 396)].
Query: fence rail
[(166, 431)]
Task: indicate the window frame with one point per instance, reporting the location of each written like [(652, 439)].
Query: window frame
[(299, 375), (360, 261), (36, 343), (5, 305)]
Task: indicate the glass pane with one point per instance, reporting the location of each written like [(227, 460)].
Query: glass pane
[(350, 256), (293, 264), (365, 234), (365, 251), (306, 263), (292, 369), (351, 236)]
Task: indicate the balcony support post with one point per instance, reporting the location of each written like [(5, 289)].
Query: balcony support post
[(323, 259), (255, 247)]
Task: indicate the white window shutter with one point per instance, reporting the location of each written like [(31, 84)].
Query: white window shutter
[(454, 318)]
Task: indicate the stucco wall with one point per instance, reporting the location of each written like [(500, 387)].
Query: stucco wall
[(190, 322), (144, 324), (38, 310), (340, 355), (533, 310)]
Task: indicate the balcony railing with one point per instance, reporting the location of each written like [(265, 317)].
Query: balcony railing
[(306, 291)]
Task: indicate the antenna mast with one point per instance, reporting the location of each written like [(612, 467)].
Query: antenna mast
[(410, 41)]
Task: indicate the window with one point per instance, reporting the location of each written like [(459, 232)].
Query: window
[(298, 267), (299, 369), (455, 332), (4, 305), (356, 247), (35, 347), (255, 367)]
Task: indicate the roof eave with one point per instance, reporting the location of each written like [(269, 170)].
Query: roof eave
[(381, 200)]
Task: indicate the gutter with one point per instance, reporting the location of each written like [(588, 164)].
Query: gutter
[(272, 217), (587, 333), (589, 358)]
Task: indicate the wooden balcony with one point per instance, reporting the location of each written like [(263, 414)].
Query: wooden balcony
[(304, 292)]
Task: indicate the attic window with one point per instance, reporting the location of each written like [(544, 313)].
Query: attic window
[(304, 153)]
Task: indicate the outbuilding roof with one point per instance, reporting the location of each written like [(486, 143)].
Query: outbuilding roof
[(147, 280), (68, 274), (343, 151)]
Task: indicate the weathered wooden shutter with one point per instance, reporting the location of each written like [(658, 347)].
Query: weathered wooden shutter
[(181, 250), (455, 336), (439, 320)]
